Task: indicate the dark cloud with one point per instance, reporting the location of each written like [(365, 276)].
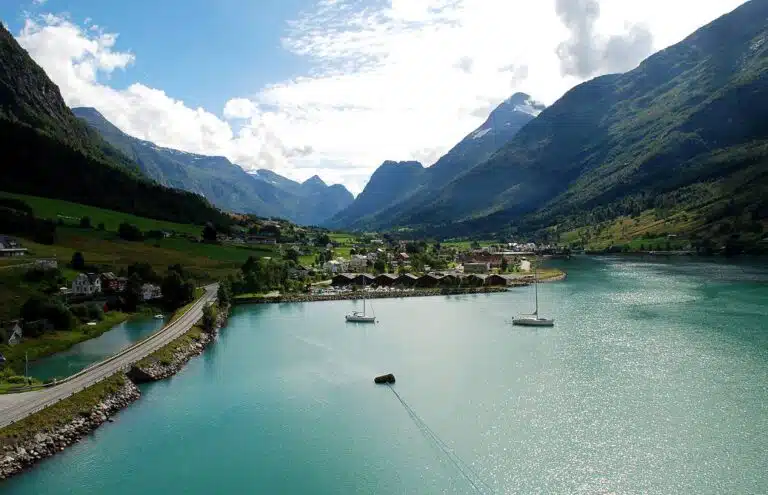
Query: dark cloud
[(586, 53)]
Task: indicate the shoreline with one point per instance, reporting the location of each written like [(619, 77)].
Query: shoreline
[(22, 451), (448, 291)]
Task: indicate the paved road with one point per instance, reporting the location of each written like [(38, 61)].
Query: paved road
[(14, 407)]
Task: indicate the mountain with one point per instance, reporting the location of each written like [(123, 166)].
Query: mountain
[(388, 185), (48, 152), (686, 128), (389, 196), (225, 184)]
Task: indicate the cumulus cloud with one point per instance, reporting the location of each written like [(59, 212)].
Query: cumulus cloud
[(587, 53), (81, 60), (387, 79)]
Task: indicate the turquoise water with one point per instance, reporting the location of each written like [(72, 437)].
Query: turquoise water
[(91, 351), (654, 380)]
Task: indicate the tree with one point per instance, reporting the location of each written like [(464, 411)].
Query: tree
[(129, 232), (43, 308), (210, 315), (209, 232), (85, 222), (78, 261), (132, 296), (504, 264), (379, 266), (323, 239), (292, 254), (176, 291), (101, 226), (224, 293), (145, 272)]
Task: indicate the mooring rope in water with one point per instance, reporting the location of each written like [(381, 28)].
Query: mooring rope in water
[(466, 470)]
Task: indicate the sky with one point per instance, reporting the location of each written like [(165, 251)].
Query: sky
[(332, 87)]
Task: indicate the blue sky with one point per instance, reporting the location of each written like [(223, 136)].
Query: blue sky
[(332, 87), (200, 51)]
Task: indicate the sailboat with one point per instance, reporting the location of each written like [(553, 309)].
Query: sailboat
[(534, 320), (358, 316)]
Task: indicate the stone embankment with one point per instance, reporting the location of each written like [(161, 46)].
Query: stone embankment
[(293, 298), (151, 370), (21, 455)]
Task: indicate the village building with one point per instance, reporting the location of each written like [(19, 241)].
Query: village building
[(358, 263), (86, 284), (496, 281), (11, 247), (474, 280), (150, 292), (428, 281), (363, 279), (112, 283), (16, 333), (386, 279), (406, 280), (336, 266), (481, 267), (342, 279)]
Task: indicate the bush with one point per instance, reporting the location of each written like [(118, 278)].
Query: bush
[(43, 308), (16, 379), (78, 261), (129, 232), (85, 222)]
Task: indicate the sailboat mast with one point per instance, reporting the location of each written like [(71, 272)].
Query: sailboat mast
[(536, 288), (363, 295)]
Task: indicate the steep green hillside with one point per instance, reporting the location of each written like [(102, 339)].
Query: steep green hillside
[(389, 194), (389, 184), (688, 125), (48, 152)]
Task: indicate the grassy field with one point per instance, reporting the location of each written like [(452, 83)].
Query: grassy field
[(72, 212), (205, 262), (465, 245), (645, 232), (60, 413), (342, 238)]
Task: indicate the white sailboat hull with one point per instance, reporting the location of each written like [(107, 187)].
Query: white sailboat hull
[(533, 321), (360, 318)]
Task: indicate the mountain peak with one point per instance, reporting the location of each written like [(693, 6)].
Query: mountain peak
[(521, 102), (315, 180)]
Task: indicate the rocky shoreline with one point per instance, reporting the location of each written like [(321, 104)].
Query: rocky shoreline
[(23, 454), (154, 371), (295, 298)]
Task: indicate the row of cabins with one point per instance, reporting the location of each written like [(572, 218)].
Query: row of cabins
[(427, 281)]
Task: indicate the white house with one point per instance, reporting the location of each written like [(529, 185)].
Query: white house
[(525, 265), (11, 247), (16, 334), (358, 263), (86, 284), (372, 256), (336, 266), (150, 291)]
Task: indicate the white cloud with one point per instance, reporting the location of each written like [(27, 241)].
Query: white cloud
[(398, 79), (80, 60)]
